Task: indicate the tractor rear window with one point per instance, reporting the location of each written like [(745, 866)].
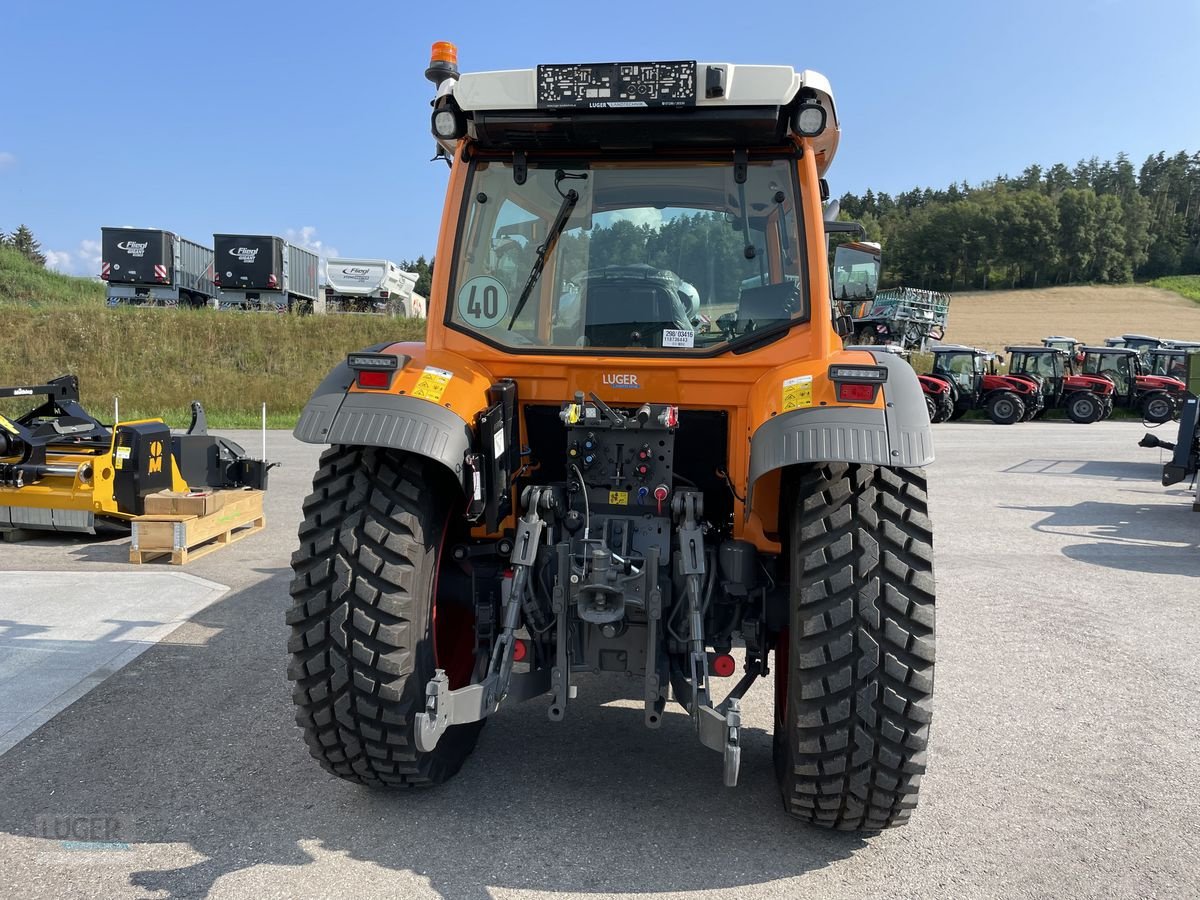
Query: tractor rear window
[(653, 256)]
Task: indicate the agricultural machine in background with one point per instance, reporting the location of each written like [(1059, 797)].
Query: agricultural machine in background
[(939, 398), (1157, 397), (974, 384), (556, 487), (152, 267), (1085, 398), (907, 317), (1067, 345), (61, 469)]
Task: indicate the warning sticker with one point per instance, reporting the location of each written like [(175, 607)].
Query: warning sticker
[(678, 338), (618, 498), (432, 384), (797, 392), (123, 452)]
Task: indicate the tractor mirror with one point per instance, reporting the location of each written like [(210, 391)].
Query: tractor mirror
[(856, 268)]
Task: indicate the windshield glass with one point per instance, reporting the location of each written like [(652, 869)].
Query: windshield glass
[(652, 256)]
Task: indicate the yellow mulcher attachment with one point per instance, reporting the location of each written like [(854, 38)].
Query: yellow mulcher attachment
[(61, 469)]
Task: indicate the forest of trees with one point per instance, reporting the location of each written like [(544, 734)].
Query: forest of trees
[(1101, 222)]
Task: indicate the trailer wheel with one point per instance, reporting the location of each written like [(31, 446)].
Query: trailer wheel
[(1158, 407), (1005, 408), (367, 625), (854, 671), (1083, 408)]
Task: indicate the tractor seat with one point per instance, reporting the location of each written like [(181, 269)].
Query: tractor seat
[(630, 314), (761, 307)]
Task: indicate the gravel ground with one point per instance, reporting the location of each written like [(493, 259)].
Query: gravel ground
[(1063, 761)]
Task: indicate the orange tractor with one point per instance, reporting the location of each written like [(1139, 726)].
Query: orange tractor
[(631, 444)]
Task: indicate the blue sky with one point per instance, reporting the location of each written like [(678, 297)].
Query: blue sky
[(311, 119)]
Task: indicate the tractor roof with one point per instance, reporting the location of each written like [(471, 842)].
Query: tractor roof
[(1179, 345), (1127, 351), (643, 104), (956, 348), (1036, 348), (1060, 337)]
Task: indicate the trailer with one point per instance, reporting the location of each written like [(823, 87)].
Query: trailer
[(371, 286), (152, 267), (264, 272)]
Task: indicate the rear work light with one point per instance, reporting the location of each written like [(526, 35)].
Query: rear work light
[(374, 370), (857, 384)]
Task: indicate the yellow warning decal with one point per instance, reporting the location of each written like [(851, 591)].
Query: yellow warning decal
[(618, 498), (7, 425), (797, 392), (432, 384)]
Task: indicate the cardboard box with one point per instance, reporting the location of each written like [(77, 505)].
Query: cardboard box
[(197, 503)]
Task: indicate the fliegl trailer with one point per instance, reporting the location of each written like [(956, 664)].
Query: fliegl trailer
[(576, 485), (371, 286), (264, 272), (152, 267)]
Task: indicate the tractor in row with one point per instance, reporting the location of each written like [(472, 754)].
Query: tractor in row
[(970, 375)]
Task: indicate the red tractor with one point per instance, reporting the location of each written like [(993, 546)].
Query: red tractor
[(1085, 398), (939, 398), (1158, 397), (974, 385)]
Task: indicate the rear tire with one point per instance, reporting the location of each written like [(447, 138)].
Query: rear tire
[(1083, 408), (1005, 408), (1158, 407), (931, 407), (854, 671), (945, 409), (363, 618)]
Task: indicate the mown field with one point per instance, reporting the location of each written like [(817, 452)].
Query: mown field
[(994, 319)]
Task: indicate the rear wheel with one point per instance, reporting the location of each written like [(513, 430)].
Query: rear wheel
[(854, 672), (1005, 408), (367, 633), (931, 407), (1084, 408), (945, 409), (1158, 407)]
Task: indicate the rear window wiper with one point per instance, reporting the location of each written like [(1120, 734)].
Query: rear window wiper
[(570, 198)]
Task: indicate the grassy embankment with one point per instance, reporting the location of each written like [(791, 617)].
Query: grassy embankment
[(1184, 285), (156, 361)]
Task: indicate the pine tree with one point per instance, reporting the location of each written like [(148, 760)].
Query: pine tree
[(23, 241)]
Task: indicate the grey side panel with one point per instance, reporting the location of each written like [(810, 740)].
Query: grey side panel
[(833, 434), (15, 518), (900, 436), (404, 423)]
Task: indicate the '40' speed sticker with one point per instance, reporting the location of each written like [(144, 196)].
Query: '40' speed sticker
[(482, 302)]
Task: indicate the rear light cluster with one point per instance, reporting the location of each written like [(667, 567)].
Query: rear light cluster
[(374, 371), (272, 281), (857, 384)]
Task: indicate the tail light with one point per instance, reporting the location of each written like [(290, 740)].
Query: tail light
[(374, 371), (857, 384), (383, 295), (272, 281), (216, 278)]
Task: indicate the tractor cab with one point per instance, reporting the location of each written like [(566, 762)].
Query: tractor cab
[(1172, 362), (1086, 398), (1058, 342)]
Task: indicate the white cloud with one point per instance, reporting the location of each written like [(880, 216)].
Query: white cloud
[(306, 237), (84, 260), (643, 215), (7, 160)]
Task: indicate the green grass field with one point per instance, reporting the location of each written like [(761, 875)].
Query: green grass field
[(1184, 285)]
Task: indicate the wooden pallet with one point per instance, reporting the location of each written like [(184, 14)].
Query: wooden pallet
[(185, 538)]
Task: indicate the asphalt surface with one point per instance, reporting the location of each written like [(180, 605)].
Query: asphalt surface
[(1063, 760)]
